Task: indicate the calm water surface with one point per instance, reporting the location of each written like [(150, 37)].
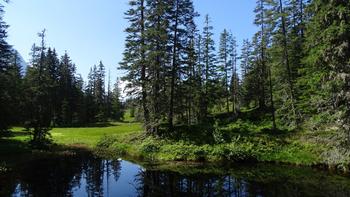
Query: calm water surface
[(85, 175)]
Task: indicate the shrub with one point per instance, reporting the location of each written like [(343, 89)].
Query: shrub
[(119, 149), (218, 134), (106, 141), (149, 146)]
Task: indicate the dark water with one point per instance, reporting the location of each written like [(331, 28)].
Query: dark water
[(85, 175)]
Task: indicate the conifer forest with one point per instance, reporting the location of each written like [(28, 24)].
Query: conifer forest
[(281, 96)]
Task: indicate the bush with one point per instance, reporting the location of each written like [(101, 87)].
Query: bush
[(240, 152), (119, 149), (109, 146), (106, 142), (149, 146), (218, 134)]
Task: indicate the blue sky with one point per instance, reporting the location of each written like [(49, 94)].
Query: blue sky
[(93, 30)]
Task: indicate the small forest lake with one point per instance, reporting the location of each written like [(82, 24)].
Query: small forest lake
[(87, 175)]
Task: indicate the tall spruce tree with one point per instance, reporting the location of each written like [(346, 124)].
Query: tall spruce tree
[(246, 64), (209, 67), (91, 108), (282, 67), (38, 104), (134, 56), (225, 67), (158, 57), (117, 111), (100, 92), (66, 80), (325, 78), (264, 19), (235, 89), (5, 60), (181, 19), (52, 64)]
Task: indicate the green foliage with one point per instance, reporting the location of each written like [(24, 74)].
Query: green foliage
[(10, 79), (324, 97), (120, 149), (108, 147), (4, 168), (105, 141), (296, 153), (218, 134), (149, 146), (295, 72)]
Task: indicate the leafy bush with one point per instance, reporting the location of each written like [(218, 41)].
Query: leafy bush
[(240, 152), (106, 141), (119, 149), (149, 146), (218, 134)]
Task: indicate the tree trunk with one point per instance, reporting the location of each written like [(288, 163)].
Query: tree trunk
[(226, 81), (272, 103), (262, 69), (286, 60), (143, 71), (173, 71)]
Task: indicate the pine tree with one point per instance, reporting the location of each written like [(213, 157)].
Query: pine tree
[(226, 66), (100, 92), (5, 48), (263, 19), (297, 19), (326, 75), (117, 112), (95, 96), (108, 97), (134, 60), (38, 104), (283, 71), (90, 101), (78, 97), (182, 19), (158, 55), (209, 67), (246, 64), (235, 81), (185, 92), (14, 85), (5, 59), (191, 88), (52, 64), (251, 79), (199, 78), (66, 80)]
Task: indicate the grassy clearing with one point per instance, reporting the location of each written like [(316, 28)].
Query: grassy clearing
[(222, 140), (17, 141), (244, 140), (91, 136)]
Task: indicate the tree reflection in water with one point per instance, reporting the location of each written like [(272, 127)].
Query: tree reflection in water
[(86, 175), (157, 183), (59, 176), (267, 181)]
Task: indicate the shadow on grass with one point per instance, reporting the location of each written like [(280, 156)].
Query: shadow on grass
[(254, 115), (197, 134), (98, 124), (248, 123), (11, 146), (89, 125), (15, 134)]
